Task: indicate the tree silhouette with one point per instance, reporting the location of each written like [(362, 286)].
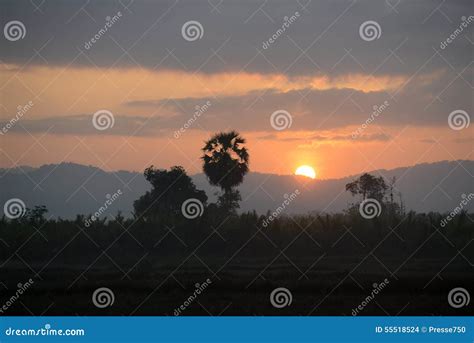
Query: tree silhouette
[(169, 190), (368, 186), (226, 161)]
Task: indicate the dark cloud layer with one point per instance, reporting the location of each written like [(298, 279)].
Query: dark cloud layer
[(324, 39)]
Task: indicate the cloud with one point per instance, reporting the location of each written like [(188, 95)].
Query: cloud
[(310, 110), (83, 125), (324, 40), (317, 139)]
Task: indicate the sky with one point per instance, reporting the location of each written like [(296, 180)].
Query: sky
[(343, 86)]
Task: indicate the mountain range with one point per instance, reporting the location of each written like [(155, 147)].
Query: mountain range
[(68, 189)]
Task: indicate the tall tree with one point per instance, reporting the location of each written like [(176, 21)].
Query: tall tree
[(368, 186), (226, 161), (169, 190)]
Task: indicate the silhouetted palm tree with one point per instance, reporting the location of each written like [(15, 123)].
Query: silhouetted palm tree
[(226, 161)]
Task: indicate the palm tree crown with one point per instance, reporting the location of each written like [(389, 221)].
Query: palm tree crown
[(226, 160)]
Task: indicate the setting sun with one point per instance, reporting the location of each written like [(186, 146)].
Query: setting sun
[(306, 171)]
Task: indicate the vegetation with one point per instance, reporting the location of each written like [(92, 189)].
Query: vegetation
[(308, 253), (319, 233), (226, 161), (169, 190)]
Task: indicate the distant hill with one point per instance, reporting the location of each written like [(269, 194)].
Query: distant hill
[(68, 189)]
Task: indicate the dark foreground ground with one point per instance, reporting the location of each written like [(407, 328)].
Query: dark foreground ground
[(322, 286)]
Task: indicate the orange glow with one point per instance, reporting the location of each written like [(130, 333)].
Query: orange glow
[(306, 171), (61, 91)]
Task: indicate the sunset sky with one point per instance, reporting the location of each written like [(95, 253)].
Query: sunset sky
[(320, 71)]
